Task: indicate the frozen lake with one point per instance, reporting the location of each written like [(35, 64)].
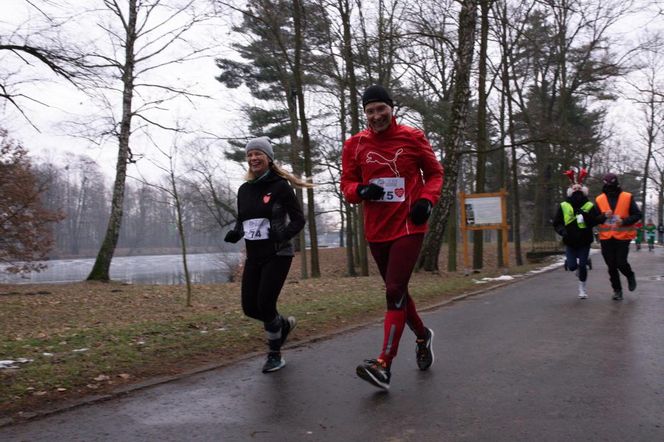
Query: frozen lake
[(204, 268)]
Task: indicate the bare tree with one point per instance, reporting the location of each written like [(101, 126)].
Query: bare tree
[(464, 59), (649, 89), (149, 33), (207, 188), (298, 73), (33, 48), (171, 189)]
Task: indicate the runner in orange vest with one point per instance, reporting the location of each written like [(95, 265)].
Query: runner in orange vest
[(616, 231)]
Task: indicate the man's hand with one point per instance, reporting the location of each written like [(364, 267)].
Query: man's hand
[(421, 211), (233, 236), (370, 191)]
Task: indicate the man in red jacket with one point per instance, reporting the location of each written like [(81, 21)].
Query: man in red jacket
[(392, 170)]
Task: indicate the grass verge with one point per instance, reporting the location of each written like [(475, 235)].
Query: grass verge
[(89, 338)]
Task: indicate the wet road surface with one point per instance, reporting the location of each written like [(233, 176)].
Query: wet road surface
[(528, 361)]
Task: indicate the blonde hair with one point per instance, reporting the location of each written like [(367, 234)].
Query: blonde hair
[(295, 181)]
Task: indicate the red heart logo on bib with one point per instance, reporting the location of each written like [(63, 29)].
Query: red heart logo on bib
[(399, 192)]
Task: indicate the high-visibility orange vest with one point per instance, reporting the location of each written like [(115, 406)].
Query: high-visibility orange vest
[(609, 229)]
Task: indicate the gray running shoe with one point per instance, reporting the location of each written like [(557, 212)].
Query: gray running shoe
[(424, 352), (274, 362), (617, 295)]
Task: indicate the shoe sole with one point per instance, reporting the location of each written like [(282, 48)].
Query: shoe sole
[(433, 357), (366, 375), (277, 368)]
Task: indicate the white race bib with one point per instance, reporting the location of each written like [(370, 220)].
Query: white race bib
[(395, 189), (579, 219), (256, 229)]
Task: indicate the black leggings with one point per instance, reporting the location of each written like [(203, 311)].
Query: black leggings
[(262, 281), (615, 254)]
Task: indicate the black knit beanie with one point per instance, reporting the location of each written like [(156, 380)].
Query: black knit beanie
[(376, 93)]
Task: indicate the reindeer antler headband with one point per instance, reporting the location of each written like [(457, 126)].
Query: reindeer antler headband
[(579, 177)]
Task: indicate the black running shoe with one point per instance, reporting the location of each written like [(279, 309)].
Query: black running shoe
[(631, 282), (376, 372), (589, 263), (424, 352), (287, 326), (617, 295), (274, 362)]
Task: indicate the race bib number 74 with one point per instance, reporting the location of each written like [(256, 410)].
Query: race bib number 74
[(256, 229), (395, 189)]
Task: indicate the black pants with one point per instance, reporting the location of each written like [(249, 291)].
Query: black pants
[(262, 281), (615, 253)]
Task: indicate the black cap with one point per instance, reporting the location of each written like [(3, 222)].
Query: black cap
[(610, 179), (376, 93)]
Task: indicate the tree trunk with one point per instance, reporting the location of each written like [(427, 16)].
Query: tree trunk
[(306, 141), (651, 129), (660, 199), (181, 235), (452, 239), (428, 259), (482, 137), (295, 156), (344, 10), (516, 208), (101, 268), (350, 243)]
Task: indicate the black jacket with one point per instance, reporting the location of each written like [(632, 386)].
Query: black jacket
[(270, 200), (572, 234)]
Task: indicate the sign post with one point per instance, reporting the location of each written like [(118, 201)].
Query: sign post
[(484, 211)]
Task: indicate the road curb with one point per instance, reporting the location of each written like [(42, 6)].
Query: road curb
[(152, 382)]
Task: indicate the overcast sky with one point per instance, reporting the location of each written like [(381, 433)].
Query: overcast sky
[(220, 114), (61, 102)]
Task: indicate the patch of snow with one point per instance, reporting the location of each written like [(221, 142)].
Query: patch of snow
[(11, 363)]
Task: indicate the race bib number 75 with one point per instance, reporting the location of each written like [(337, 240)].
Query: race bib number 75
[(256, 229), (395, 190)]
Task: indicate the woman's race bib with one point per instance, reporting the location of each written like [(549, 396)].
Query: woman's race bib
[(395, 189), (256, 229)]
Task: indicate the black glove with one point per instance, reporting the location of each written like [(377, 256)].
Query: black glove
[(421, 211), (370, 191), (233, 236)]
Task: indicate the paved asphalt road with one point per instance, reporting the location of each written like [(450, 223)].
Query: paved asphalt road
[(525, 362)]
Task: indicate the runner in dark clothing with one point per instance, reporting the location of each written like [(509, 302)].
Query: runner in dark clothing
[(574, 220), (616, 231), (269, 215)]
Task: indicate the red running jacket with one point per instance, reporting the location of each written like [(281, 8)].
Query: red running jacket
[(399, 159)]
